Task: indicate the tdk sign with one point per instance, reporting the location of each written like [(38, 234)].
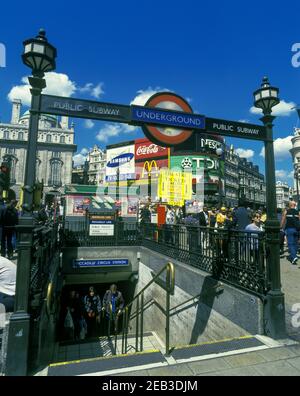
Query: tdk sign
[(120, 160)]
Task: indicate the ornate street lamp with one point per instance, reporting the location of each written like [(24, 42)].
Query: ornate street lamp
[(39, 56), (266, 98)]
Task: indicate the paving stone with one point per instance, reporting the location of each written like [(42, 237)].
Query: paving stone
[(274, 354), (176, 370), (276, 369), (205, 366), (244, 359), (295, 363), (141, 373), (235, 372)]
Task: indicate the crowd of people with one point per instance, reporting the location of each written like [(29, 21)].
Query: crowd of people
[(82, 315), (238, 218)]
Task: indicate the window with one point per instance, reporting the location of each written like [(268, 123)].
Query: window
[(48, 138), (62, 139), (6, 135), (55, 172), (20, 136)]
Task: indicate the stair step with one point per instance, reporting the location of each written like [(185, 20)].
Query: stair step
[(215, 347), (89, 366)]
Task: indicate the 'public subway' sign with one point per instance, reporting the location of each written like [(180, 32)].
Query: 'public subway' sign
[(84, 109), (235, 129)]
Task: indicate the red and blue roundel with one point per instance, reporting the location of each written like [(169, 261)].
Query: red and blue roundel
[(120, 160)]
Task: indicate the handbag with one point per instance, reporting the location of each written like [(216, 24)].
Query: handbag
[(69, 321)]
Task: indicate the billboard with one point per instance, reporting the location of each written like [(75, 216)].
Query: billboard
[(76, 205), (145, 149), (120, 159), (149, 158), (175, 187), (213, 166)]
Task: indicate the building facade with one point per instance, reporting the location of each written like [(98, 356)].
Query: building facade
[(283, 194), (295, 152), (96, 166), (55, 149), (252, 186)]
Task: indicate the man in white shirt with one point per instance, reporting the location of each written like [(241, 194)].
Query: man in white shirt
[(8, 275)]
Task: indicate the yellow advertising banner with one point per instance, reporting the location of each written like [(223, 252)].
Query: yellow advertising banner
[(175, 187)]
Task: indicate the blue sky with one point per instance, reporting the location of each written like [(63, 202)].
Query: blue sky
[(213, 53)]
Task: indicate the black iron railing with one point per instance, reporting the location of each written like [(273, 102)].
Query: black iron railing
[(236, 257), (77, 233), (45, 251)]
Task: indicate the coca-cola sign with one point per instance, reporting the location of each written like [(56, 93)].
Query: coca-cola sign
[(144, 148)]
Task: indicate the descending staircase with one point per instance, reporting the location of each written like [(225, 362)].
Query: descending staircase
[(152, 358)]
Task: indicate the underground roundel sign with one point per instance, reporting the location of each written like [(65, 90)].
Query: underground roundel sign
[(165, 108)]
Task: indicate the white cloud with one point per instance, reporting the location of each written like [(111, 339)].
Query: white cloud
[(283, 109), (144, 95), (282, 174), (244, 121), (113, 130), (79, 159), (89, 124), (57, 84), (245, 153), (93, 90), (281, 148)]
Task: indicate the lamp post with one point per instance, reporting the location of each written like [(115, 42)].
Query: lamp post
[(219, 153), (40, 56), (266, 98)]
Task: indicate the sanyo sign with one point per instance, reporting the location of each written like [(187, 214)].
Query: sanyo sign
[(2, 55)]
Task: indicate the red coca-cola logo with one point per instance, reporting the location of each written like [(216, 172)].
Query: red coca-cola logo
[(149, 149)]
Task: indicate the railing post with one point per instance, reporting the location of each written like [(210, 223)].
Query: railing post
[(168, 282), (142, 323), (123, 330), (137, 325), (126, 329)]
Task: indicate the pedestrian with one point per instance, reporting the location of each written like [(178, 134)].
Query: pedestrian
[(253, 229), (8, 275), (93, 309), (290, 222), (113, 304), (9, 221), (169, 226), (74, 306), (212, 218), (241, 217)]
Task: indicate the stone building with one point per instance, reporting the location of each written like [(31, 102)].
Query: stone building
[(54, 152), (231, 177), (97, 165), (283, 194), (295, 151), (252, 186)]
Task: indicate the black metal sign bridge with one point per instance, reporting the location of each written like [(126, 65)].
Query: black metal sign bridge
[(145, 115)]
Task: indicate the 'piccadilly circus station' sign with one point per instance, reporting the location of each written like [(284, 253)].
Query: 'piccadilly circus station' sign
[(167, 119)]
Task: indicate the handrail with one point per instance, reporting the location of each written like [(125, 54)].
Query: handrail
[(169, 288)]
